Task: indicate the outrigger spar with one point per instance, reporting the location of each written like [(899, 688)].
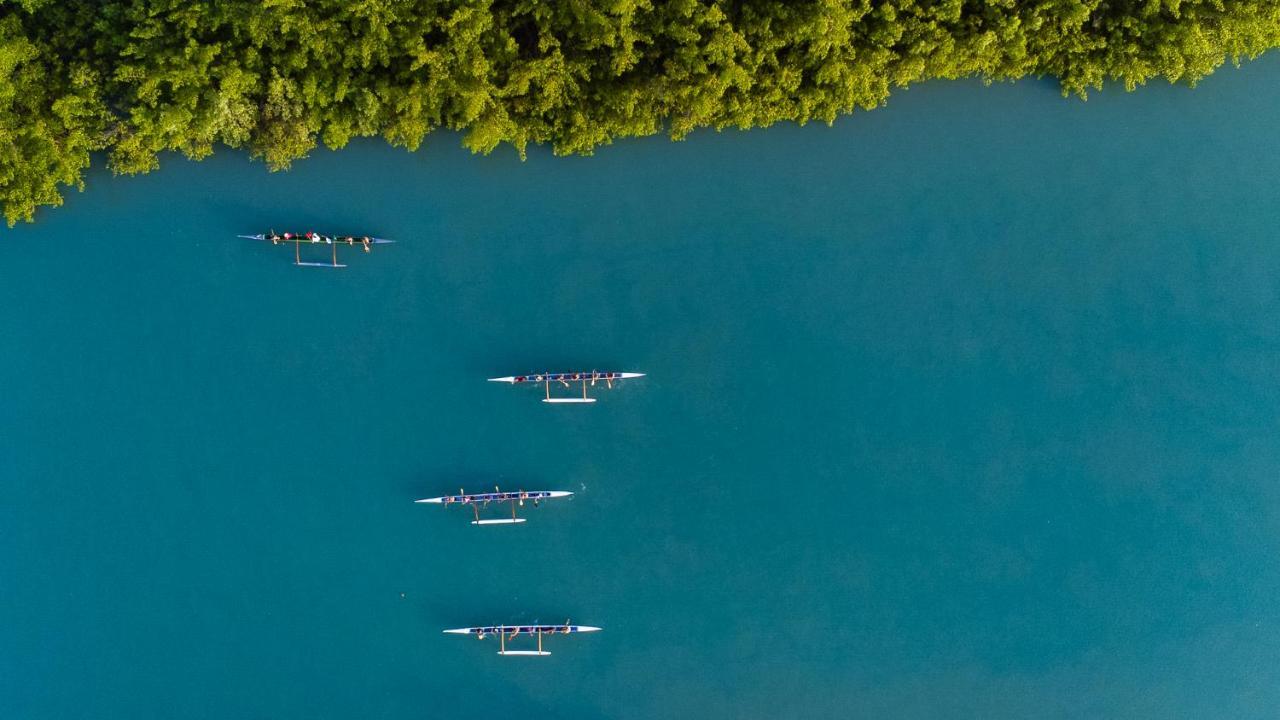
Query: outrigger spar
[(478, 499), (565, 378), (511, 632), (298, 239)]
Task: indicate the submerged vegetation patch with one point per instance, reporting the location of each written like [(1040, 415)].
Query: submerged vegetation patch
[(134, 78)]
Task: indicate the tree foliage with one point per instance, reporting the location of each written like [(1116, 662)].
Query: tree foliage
[(135, 78)]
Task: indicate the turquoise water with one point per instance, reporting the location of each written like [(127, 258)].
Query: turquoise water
[(966, 407)]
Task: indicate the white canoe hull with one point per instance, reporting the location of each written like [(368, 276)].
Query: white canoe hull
[(495, 629), (535, 378), (542, 495), (309, 241)]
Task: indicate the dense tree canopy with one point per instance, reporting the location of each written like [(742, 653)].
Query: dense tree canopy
[(137, 77)]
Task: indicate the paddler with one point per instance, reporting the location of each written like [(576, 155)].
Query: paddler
[(365, 241)]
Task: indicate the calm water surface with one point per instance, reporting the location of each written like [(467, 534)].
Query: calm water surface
[(966, 407)]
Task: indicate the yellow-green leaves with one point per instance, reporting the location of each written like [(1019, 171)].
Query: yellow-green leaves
[(140, 77)]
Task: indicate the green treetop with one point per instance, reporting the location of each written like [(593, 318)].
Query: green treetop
[(134, 78)]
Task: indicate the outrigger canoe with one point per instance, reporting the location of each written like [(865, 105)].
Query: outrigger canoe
[(298, 239), (564, 378), (476, 500), (510, 632)]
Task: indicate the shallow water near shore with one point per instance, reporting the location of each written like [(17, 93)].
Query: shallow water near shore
[(965, 407)]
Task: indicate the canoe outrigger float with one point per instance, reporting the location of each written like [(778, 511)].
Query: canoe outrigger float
[(510, 632), (515, 498), (298, 239), (565, 378)]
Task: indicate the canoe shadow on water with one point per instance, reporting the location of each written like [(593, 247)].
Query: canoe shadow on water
[(466, 701)]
